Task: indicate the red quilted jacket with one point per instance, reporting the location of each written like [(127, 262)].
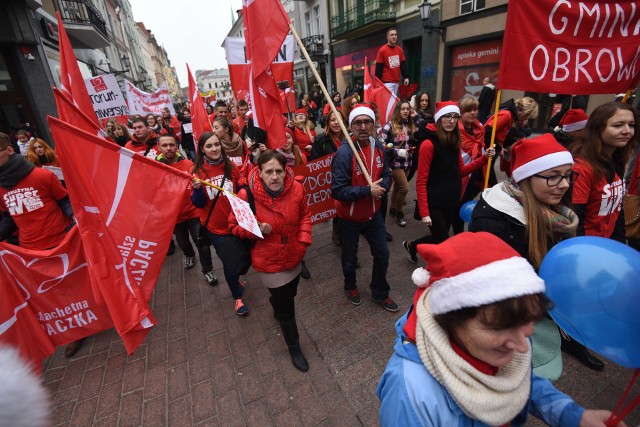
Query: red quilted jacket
[(290, 220)]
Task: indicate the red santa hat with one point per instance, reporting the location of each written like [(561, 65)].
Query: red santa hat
[(446, 107), (301, 111), (461, 276), (534, 155), (573, 120), (290, 132)]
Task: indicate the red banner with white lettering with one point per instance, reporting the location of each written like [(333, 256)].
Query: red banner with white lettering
[(317, 188), (126, 206), (557, 46), (47, 299)]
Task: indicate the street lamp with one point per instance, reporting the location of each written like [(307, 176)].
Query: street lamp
[(425, 13)]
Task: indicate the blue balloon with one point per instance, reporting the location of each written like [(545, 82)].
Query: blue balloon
[(594, 283), (467, 209)]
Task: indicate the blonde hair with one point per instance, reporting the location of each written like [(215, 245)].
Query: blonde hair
[(528, 106), (468, 103)]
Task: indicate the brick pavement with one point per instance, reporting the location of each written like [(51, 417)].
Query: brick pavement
[(203, 365)]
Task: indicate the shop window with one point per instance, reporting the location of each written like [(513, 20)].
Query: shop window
[(468, 6)]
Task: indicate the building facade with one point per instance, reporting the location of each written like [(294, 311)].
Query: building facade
[(215, 80), (105, 39)]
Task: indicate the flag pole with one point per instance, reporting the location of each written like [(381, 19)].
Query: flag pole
[(331, 104), (626, 96), (493, 137)]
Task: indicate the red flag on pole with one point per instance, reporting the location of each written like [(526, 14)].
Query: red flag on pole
[(384, 99), (368, 86), (68, 112), (266, 26), (126, 206), (71, 80), (199, 117)]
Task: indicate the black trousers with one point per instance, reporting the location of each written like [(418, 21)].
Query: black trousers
[(441, 220), (182, 230), (283, 299)]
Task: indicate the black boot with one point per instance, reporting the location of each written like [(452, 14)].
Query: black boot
[(305, 272), (580, 352), (290, 332)]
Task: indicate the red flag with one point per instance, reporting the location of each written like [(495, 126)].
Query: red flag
[(384, 99), (47, 300), (126, 206), (69, 113), (266, 26), (368, 86), (199, 117), (567, 47), (71, 80)]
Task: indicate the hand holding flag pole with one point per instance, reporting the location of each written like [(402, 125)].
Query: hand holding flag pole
[(493, 137), (330, 101)]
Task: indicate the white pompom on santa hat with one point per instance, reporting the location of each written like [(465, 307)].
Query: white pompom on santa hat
[(472, 270), (573, 120), (534, 155)]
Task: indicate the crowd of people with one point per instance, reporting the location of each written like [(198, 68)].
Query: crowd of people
[(463, 353)]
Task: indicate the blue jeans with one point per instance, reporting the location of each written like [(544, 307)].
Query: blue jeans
[(233, 280), (374, 231)]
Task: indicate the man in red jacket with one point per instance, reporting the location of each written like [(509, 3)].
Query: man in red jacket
[(188, 222), (358, 206), (144, 141)]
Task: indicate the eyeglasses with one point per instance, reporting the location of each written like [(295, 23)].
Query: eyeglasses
[(554, 180), (359, 123), (2, 149), (451, 117)]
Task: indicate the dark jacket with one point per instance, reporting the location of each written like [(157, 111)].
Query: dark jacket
[(505, 220), (322, 145)]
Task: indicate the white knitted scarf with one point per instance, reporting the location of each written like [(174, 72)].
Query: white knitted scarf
[(493, 399)]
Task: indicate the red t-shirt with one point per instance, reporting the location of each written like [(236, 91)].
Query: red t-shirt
[(187, 210), (33, 206), (603, 200), (390, 58), (219, 221)]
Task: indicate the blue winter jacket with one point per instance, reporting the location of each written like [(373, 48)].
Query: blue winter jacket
[(410, 396)]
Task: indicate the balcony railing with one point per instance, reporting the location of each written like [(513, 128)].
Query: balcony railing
[(363, 13), (81, 12), (314, 45)]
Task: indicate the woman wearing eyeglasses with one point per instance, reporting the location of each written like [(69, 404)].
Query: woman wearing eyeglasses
[(530, 212), (440, 172)]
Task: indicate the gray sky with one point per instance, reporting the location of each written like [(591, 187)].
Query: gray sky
[(191, 31)]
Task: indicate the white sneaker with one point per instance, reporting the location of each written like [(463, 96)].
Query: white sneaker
[(210, 278), (189, 262)]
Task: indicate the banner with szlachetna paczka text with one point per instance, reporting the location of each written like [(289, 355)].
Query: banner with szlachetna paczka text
[(571, 47)]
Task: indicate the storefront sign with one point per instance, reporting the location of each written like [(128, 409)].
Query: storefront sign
[(470, 64)]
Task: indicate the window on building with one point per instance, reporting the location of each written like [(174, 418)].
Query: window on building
[(307, 23), (468, 6), (316, 15), (209, 85)]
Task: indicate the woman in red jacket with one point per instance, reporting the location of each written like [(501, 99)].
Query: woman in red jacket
[(172, 122), (285, 222), (213, 165), (439, 182)]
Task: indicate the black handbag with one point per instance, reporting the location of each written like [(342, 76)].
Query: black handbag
[(203, 233)]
